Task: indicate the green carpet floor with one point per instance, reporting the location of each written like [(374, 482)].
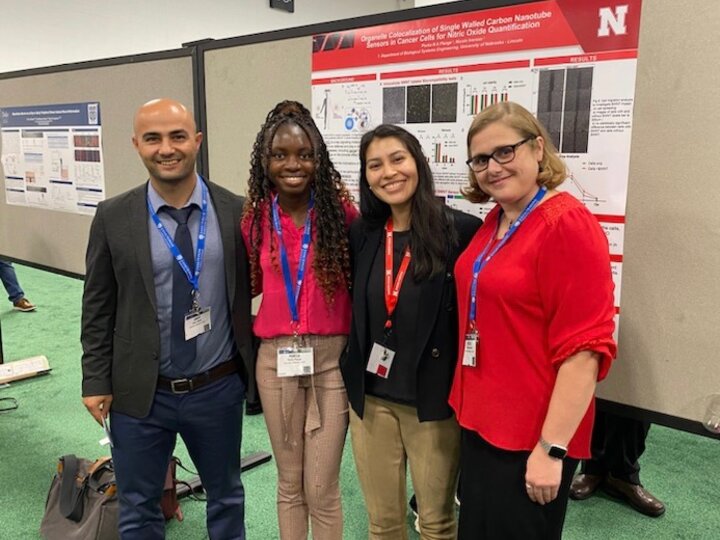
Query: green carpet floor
[(681, 469)]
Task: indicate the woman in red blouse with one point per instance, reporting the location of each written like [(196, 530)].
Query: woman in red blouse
[(295, 228), (535, 303)]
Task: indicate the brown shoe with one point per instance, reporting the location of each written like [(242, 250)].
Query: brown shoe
[(23, 305), (584, 485), (635, 495)]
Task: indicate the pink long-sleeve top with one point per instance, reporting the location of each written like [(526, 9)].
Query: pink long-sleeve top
[(316, 315)]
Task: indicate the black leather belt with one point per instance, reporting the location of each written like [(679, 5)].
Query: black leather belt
[(183, 386)]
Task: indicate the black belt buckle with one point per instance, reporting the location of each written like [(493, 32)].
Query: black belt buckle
[(176, 382)]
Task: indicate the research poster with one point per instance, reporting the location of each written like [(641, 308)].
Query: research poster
[(52, 156), (573, 64)]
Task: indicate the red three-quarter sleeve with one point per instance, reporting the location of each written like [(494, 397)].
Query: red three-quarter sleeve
[(576, 289)]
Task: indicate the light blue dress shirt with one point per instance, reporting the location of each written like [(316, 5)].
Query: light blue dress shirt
[(217, 345)]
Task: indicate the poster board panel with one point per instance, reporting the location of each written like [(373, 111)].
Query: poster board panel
[(667, 358), (243, 84), (59, 239)]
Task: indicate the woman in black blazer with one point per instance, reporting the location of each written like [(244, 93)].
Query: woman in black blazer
[(403, 340)]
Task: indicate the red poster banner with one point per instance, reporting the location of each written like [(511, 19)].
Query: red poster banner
[(591, 25)]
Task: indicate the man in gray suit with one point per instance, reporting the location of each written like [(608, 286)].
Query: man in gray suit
[(166, 328)]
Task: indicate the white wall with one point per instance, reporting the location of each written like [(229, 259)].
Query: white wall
[(421, 3), (39, 33)]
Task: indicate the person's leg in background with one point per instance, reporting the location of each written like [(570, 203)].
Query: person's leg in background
[(253, 405), (593, 471), (12, 286), (617, 444)]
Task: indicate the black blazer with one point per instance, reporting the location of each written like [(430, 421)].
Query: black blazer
[(436, 336), (120, 333)]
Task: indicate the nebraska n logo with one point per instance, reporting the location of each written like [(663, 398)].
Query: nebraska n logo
[(612, 19)]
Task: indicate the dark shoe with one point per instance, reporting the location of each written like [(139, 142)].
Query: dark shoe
[(413, 509), (253, 408), (635, 495), (23, 305), (584, 485)]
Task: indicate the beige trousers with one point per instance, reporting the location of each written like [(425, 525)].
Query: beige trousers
[(307, 419), (384, 441)]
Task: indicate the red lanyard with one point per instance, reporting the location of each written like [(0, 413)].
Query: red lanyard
[(393, 290)]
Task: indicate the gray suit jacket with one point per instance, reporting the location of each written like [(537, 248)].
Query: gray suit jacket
[(120, 334)]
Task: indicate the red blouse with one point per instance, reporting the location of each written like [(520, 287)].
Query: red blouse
[(546, 295), (316, 316)]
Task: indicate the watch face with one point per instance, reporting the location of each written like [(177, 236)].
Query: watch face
[(557, 452)]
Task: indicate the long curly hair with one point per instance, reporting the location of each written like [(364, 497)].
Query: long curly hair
[(331, 262)]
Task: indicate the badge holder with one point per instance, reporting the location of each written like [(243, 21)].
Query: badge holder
[(297, 360), (381, 357), (197, 320), (470, 349)]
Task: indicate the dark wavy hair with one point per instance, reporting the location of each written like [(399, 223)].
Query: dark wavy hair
[(332, 254), (430, 246)]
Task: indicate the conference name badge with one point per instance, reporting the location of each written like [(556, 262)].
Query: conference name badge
[(470, 349), (295, 361), (197, 322), (380, 362)]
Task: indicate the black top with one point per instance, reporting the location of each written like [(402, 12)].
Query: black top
[(400, 385), (433, 335)]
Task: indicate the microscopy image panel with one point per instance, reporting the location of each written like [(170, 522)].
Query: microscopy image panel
[(418, 104), (394, 105), (444, 102), (578, 98)]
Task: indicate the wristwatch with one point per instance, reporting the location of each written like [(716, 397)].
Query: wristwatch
[(553, 450)]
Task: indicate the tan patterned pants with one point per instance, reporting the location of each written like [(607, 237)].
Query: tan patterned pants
[(307, 419)]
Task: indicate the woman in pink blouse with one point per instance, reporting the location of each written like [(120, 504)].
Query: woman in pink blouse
[(535, 300), (295, 228)]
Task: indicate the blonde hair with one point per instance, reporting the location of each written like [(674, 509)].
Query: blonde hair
[(552, 171)]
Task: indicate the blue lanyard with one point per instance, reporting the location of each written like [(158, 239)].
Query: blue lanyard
[(293, 296), (484, 258), (194, 279)]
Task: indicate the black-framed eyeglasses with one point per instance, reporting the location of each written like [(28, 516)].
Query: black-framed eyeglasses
[(502, 155)]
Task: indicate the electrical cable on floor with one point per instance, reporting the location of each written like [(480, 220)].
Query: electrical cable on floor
[(11, 406)]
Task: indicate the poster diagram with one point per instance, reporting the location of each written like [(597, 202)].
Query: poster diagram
[(348, 106), (572, 66), (52, 156)]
